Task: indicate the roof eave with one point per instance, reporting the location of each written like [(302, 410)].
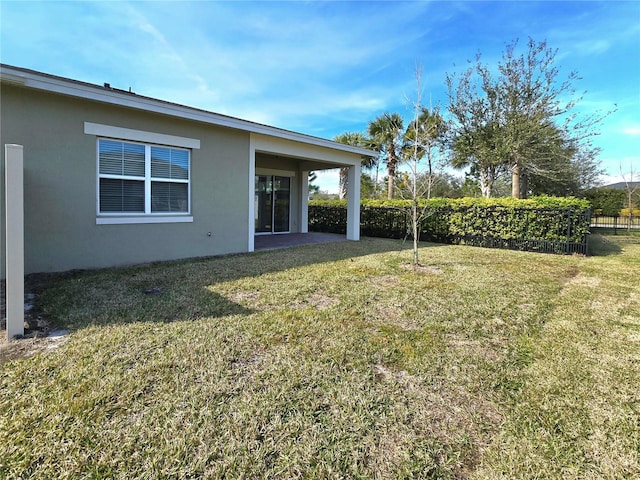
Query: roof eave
[(64, 86)]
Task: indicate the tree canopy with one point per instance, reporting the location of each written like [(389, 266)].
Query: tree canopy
[(355, 139), (521, 120), (515, 119), (386, 134)]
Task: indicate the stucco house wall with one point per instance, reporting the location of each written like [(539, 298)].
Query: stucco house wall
[(60, 185), (57, 128)]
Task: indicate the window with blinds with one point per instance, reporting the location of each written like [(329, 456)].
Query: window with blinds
[(136, 178)]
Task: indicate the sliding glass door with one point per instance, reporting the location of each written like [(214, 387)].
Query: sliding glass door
[(272, 204)]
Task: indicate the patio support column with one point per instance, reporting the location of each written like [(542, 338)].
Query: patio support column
[(14, 239), (353, 205), (304, 202), (252, 197)]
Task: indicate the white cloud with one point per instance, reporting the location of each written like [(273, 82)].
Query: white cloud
[(319, 67)]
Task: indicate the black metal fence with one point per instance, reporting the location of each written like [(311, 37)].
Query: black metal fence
[(545, 230), (616, 223)]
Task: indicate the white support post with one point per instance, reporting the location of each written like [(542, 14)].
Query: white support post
[(252, 197), (353, 203), (304, 202), (14, 242)]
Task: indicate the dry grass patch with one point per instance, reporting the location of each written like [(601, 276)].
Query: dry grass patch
[(28, 347), (384, 281), (335, 361), (423, 269)]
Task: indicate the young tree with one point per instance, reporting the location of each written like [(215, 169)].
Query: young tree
[(386, 135), (631, 188), (522, 121), (424, 138)]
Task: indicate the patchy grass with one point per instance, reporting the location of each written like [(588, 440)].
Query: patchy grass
[(336, 361)]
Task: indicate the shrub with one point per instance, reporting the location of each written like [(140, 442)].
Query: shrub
[(634, 212), (539, 223)]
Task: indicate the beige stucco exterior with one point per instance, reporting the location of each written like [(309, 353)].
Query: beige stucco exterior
[(60, 180)]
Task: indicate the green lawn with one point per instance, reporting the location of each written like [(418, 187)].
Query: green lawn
[(337, 361)]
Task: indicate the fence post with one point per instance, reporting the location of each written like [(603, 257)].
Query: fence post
[(14, 240), (588, 234), (568, 213)]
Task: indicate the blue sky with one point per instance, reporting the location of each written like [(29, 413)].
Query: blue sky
[(324, 68)]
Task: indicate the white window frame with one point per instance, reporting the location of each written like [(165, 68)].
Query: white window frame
[(148, 139)]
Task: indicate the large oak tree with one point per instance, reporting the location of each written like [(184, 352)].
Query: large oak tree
[(520, 118)]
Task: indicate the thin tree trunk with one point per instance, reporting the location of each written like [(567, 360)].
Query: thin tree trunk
[(430, 175), (414, 217), (630, 205)]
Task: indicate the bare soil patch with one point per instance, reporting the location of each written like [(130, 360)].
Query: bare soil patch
[(318, 300), (37, 325), (28, 347)]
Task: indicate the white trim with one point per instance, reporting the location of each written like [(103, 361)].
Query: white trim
[(252, 197), (139, 135), (273, 206), (275, 172), (147, 178), (65, 86), (332, 157), (148, 219)]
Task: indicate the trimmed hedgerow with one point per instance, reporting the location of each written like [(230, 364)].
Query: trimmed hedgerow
[(554, 224)]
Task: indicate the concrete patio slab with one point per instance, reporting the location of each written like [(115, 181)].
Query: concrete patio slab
[(272, 242)]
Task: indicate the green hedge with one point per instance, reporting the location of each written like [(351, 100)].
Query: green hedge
[(606, 201), (550, 224)]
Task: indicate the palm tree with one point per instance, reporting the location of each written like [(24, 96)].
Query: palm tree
[(355, 139), (313, 189), (386, 133)]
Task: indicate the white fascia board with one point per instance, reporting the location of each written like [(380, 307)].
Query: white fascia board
[(87, 91), (275, 172), (296, 149)]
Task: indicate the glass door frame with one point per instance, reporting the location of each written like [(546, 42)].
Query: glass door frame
[(270, 185)]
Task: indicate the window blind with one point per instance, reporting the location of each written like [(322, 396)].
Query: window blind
[(124, 180)]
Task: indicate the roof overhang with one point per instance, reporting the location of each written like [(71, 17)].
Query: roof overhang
[(104, 94), (312, 157)]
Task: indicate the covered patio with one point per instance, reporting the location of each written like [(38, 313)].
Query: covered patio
[(273, 242), (279, 189)]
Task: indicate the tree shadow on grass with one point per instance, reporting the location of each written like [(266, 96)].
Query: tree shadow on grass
[(178, 290), (601, 246)]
